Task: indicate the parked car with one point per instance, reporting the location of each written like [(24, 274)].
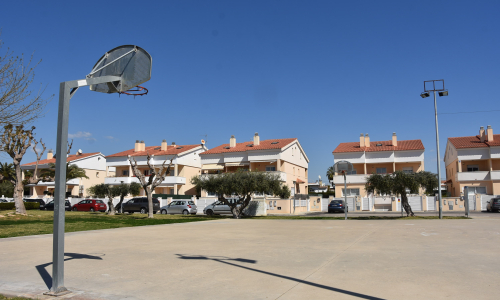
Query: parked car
[(3, 200), (184, 207), (140, 204), (90, 205), (337, 205), (50, 205), (493, 204), (218, 208), (42, 203)]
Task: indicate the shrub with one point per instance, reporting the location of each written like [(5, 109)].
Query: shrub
[(32, 205), (12, 205), (7, 205)]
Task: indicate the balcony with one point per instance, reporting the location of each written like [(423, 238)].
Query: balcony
[(75, 181), (169, 180), (495, 175), (281, 174), (355, 178), (473, 176)]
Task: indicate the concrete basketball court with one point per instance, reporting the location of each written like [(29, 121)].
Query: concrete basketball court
[(267, 259)]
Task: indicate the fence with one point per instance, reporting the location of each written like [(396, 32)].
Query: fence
[(301, 203)]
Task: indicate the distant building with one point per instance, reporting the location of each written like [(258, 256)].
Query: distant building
[(473, 161), (280, 156), (379, 157)]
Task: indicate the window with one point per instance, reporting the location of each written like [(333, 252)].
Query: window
[(125, 173), (381, 170), (477, 190), (146, 172), (350, 192), (294, 171), (353, 172), (408, 170), (270, 168), (472, 168), (211, 194), (97, 174)]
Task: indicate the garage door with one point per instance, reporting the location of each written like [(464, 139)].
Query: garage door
[(415, 203), (484, 200), (324, 204), (431, 203)]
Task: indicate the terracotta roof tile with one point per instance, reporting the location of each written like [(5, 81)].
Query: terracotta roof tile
[(386, 146), (156, 150), (70, 158), (473, 142), (242, 147)]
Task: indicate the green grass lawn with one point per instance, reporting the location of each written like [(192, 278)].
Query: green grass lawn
[(41, 222)]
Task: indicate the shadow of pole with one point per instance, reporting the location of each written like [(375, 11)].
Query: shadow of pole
[(46, 276), (225, 260)]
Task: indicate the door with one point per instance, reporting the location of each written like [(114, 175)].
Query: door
[(415, 203), (84, 205), (350, 203), (366, 204), (431, 203), (174, 208)]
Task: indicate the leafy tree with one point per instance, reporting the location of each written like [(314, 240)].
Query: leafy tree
[(72, 172), (330, 172), (15, 141), (399, 183), (241, 184), (6, 189), (111, 191), (157, 175), (18, 103)]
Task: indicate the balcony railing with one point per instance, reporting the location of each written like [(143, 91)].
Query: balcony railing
[(495, 175), (169, 180), (281, 174), (473, 176), (355, 178)]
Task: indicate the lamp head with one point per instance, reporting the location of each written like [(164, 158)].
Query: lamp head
[(424, 95), (443, 93)]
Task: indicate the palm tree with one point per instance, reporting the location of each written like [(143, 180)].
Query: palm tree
[(7, 172), (330, 173), (72, 172), (399, 183)]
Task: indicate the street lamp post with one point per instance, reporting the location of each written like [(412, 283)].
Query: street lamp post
[(442, 92)]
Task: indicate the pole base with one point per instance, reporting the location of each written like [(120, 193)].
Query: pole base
[(61, 291)]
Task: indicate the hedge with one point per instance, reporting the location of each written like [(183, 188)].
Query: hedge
[(12, 205)]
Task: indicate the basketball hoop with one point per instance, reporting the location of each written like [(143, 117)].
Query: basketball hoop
[(137, 91)]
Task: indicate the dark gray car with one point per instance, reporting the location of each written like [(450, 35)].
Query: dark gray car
[(140, 204), (493, 205), (337, 205)]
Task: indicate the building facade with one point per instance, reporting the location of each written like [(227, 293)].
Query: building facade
[(186, 164), (94, 165), (379, 157), (281, 156), (473, 161)]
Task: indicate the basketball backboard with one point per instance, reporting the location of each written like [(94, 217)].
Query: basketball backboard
[(343, 166), (131, 63)]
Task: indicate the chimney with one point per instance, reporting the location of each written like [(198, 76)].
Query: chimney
[(137, 146), (232, 142), (367, 141), (143, 146), (482, 136), (489, 133), (394, 139), (256, 139), (362, 140), (164, 145), (50, 154)]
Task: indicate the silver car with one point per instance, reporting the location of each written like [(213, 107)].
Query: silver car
[(184, 207), (219, 208)]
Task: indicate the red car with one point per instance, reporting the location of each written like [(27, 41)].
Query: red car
[(90, 205)]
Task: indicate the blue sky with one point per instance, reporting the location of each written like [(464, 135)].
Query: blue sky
[(320, 71)]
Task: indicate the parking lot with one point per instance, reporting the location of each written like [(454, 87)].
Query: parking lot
[(267, 259)]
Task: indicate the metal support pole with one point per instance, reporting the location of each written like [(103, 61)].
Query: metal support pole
[(438, 159), (60, 191), (346, 207)]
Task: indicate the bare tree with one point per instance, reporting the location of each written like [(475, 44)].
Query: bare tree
[(15, 141), (156, 177), (18, 103)]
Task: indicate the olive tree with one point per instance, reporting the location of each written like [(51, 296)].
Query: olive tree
[(111, 191), (241, 184), (400, 183), (155, 177)]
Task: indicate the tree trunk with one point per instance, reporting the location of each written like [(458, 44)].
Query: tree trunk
[(19, 191), (237, 209), (150, 202), (406, 205), (119, 205), (111, 208)]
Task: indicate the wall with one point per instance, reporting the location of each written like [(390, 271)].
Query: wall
[(95, 177), (315, 203), (339, 187), (292, 173), (188, 172)]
